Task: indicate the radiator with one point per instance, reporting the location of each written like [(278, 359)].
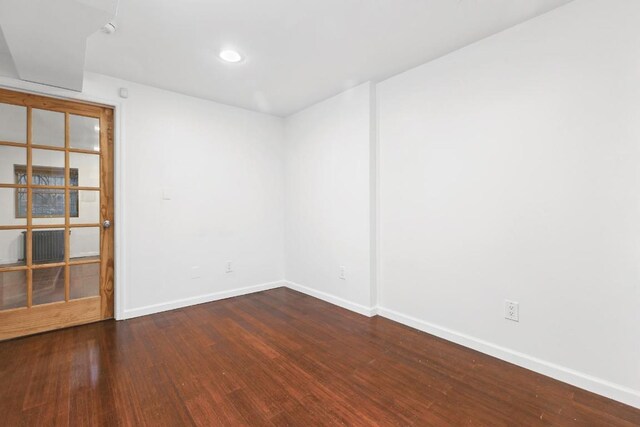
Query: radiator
[(47, 246)]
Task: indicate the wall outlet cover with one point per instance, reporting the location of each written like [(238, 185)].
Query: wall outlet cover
[(512, 310)]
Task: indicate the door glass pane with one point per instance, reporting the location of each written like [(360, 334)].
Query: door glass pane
[(48, 245), (47, 127), (84, 132), (88, 167), (48, 285), (10, 157), (12, 247), (84, 281), (13, 289), (84, 243), (48, 167), (88, 207), (48, 204), (8, 204), (13, 123)]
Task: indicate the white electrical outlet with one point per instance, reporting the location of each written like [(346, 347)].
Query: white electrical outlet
[(195, 272), (343, 273), (512, 310), (229, 267)]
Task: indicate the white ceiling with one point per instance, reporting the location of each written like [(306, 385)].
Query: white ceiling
[(297, 52), (47, 38), (7, 68)]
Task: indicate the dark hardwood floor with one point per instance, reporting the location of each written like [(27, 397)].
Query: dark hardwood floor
[(276, 358)]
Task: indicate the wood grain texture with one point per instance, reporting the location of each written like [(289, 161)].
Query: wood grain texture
[(29, 241), (67, 205), (46, 226), (38, 318), (48, 147), (50, 103), (46, 317), (276, 358), (107, 268)]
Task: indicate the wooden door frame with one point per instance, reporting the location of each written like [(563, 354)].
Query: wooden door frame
[(119, 186)]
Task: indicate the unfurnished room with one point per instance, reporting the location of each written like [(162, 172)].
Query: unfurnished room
[(319, 213)]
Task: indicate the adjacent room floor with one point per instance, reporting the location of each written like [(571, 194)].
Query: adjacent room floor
[(276, 358)]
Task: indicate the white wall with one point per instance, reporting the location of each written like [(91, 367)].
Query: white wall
[(327, 198), (510, 169), (222, 168)]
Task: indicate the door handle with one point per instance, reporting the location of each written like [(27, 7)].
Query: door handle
[(106, 224)]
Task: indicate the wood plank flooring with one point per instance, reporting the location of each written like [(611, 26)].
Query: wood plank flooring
[(276, 358)]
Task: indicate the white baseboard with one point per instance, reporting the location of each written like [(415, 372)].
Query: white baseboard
[(340, 302), (201, 299), (561, 373)]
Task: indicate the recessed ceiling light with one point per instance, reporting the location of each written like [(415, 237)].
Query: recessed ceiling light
[(230, 56)]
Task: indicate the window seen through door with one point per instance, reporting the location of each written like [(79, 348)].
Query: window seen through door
[(47, 202)]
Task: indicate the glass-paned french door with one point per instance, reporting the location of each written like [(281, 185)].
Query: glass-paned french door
[(56, 213)]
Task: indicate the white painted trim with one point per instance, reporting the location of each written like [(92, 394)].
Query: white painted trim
[(201, 299), (376, 247), (374, 197), (561, 373), (340, 302), (119, 175)]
